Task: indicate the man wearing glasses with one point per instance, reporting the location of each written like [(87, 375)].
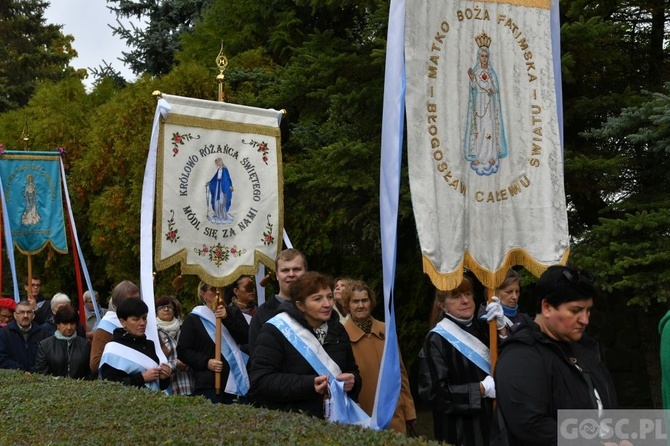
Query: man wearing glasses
[(19, 339), (550, 363)]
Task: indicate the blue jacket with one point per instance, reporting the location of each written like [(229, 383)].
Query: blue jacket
[(17, 353)]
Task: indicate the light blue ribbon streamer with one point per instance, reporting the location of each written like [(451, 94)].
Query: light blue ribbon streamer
[(10, 244), (77, 245), (393, 121)]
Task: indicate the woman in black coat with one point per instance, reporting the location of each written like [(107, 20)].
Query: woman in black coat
[(64, 354), (196, 347), (281, 378), (149, 372), (460, 393)]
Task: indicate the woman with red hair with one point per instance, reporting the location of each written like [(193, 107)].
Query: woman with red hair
[(7, 308)]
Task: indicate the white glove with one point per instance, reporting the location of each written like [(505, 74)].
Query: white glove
[(489, 387), (495, 311)]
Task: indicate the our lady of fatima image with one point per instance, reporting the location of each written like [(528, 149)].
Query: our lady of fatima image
[(219, 192), (484, 143), (30, 215)]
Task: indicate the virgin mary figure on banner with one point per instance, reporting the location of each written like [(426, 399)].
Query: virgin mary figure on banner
[(30, 215), (220, 189), (484, 142)]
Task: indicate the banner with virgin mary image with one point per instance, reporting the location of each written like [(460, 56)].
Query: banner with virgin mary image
[(484, 137), (219, 199), (31, 182)]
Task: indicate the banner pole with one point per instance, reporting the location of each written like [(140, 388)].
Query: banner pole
[(221, 63), (217, 349), (493, 333), (29, 283)]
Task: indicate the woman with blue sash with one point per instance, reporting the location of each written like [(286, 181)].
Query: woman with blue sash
[(130, 358), (196, 348), (302, 356), (455, 372)]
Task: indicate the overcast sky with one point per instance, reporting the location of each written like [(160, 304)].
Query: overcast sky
[(87, 21)]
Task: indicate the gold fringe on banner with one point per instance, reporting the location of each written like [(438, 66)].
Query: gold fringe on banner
[(490, 279), (542, 4)]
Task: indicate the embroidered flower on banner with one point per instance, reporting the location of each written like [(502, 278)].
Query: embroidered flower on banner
[(261, 147), (219, 253), (172, 234), (268, 238), (179, 140)]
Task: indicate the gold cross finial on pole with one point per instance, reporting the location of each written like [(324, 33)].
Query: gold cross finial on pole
[(25, 136), (221, 64)]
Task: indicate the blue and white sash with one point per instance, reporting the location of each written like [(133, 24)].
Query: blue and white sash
[(238, 379), (468, 345), (344, 409), (129, 360), (109, 322)]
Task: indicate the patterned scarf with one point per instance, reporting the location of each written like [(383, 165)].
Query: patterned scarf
[(365, 326), (171, 327), (321, 332)]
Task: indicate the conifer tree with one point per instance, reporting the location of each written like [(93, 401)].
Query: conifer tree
[(31, 50)]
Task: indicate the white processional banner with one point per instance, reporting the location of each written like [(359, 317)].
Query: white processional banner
[(484, 146), (219, 207)]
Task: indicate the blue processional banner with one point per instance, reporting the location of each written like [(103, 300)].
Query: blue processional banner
[(32, 187)]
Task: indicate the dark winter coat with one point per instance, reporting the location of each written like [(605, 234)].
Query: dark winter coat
[(241, 325), (282, 379), (57, 357), (15, 351), (450, 382), (195, 348), (536, 376), (142, 345), (263, 314)]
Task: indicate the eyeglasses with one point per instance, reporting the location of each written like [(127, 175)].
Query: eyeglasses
[(25, 313), (166, 308), (6, 317)]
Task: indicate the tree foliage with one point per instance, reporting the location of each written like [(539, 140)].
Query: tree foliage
[(31, 51), (630, 249), (154, 42)]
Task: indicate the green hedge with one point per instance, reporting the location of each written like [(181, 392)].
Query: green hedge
[(37, 409)]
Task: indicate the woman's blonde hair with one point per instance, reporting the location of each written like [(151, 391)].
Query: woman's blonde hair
[(442, 296)]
